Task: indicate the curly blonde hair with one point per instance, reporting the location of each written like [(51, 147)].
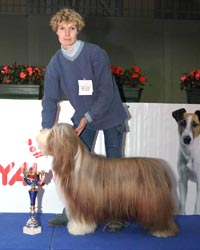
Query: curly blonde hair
[(67, 15)]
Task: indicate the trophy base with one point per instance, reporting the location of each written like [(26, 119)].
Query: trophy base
[(32, 230)]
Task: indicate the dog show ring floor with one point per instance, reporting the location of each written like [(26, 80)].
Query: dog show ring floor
[(132, 237)]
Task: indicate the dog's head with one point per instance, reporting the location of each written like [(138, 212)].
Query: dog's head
[(188, 125), (61, 142), (52, 140)]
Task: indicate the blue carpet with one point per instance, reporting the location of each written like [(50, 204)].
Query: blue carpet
[(133, 237), (13, 238)]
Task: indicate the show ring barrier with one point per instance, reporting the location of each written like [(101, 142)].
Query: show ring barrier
[(152, 132)]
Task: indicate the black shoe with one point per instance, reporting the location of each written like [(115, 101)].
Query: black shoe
[(60, 220), (114, 226)]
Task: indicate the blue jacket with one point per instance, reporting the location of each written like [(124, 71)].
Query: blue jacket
[(104, 106)]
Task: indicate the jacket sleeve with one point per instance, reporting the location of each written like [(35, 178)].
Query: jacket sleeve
[(51, 96), (105, 85)]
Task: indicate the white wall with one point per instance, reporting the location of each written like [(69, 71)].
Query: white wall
[(153, 132)]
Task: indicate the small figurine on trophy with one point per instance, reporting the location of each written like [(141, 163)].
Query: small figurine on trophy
[(34, 179)]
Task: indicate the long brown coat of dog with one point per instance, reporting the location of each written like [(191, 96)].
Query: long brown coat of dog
[(95, 188)]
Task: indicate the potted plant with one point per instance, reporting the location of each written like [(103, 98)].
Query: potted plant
[(21, 82), (190, 82), (130, 82)]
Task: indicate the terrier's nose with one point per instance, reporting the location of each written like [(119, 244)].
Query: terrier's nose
[(187, 139)]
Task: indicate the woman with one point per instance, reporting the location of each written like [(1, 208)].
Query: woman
[(82, 72)]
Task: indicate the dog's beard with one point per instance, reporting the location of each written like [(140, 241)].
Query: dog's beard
[(41, 139)]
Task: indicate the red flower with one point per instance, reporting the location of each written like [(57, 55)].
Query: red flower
[(192, 73), (5, 70), (142, 79), (183, 78), (197, 76), (117, 70), (38, 70), (22, 75), (135, 75), (136, 69), (29, 70)]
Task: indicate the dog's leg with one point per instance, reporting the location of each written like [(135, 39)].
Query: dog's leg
[(197, 202), (183, 182), (80, 228)]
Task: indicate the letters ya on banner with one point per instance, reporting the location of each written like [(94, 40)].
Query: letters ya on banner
[(12, 172)]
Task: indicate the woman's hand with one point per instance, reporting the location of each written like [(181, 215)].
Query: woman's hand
[(82, 124)]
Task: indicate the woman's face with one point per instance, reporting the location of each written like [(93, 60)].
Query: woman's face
[(67, 34)]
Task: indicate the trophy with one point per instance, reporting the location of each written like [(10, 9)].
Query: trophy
[(33, 179)]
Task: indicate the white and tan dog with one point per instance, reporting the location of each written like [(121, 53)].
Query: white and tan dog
[(95, 188), (189, 155)]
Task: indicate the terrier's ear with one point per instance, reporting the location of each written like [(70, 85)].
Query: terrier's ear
[(197, 112), (178, 114)]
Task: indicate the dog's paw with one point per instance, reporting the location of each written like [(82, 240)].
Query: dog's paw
[(171, 229), (78, 228)]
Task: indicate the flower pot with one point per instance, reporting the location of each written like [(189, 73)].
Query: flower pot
[(25, 91), (129, 94), (193, 96)]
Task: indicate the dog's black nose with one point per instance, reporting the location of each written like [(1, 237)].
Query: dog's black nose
[(187, 139)]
